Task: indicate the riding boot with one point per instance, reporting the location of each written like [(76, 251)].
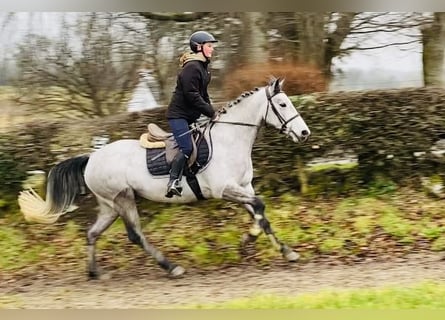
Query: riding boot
[(174, 184)]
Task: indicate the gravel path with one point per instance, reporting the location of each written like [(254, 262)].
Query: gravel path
[(152, 289)]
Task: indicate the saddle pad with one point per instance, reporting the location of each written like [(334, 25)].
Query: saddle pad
[(157, 164)]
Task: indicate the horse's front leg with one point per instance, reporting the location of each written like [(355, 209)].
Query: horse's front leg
[(256, 206)]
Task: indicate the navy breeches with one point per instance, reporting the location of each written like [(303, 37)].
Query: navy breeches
[(180, 128)]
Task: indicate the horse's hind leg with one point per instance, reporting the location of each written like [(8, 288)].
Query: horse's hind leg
[(107, 215), (129, 214), (247, 197), (254, 231)]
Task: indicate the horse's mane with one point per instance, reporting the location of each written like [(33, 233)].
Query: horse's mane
[(241, 97), (248, 93), (222, 108)]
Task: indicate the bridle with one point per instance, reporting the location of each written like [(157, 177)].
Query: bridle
[(271, 105), (208, 125), (277, 114)]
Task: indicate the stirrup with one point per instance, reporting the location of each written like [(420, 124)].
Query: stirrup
[(174, 189)]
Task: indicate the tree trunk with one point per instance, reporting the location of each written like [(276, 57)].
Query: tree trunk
[(433, 41), (310, 32), (335, 40), (316, 45), (253, 46)]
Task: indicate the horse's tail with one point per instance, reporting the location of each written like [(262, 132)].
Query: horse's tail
[(65, 182)]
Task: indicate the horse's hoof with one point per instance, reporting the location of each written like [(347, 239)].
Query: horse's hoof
[(247, 239), (177, 272), (291, 256), (93, 275), (247, 245), (244, 240)]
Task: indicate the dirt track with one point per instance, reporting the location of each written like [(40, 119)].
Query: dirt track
[(152, 289)]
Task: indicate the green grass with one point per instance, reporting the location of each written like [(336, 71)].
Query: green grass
[(427, 295), (10, 302), (209, 233), (6, 92), (325, 166), (395, 225), (331, 245), (439, 244), (17, 252)]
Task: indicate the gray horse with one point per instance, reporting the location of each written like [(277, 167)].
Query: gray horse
[(118, 172)]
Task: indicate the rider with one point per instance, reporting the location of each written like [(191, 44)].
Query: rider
[(190, 99)]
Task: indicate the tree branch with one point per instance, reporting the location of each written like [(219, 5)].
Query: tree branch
[(178, 17), (358, 47)]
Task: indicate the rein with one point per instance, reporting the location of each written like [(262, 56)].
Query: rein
[(208, 125), (269, 104), (237, 123)]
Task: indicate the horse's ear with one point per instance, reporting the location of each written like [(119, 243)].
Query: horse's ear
[(277, 85)]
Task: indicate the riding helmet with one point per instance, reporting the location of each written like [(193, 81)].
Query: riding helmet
[(200, 37)]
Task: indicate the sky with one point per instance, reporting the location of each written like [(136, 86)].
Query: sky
[(387, 67), (390, 58), (379, 69)]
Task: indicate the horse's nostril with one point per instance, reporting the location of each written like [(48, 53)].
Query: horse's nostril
[(304, 133)]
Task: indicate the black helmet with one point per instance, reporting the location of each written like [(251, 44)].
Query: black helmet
[(200, 37)]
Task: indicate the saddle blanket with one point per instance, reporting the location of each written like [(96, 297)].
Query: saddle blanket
[(157, 164)]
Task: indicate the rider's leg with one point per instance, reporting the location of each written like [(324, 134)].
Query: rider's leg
[(174, 187), (180, 130)]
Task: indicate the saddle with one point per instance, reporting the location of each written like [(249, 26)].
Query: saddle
[(161, 148), (157, 138)]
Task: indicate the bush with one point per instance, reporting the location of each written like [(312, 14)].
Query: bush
[(11, 174), (298, 79)]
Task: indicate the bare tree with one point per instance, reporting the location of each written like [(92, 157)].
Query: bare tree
[(89, 74), (168, 40), (317, 38), (174, 16), (253, 40), (308, 38), (95, 76)]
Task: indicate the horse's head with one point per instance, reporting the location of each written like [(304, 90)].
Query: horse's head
[(282, 114)]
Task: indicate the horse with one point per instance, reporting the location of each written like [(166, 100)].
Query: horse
[(117, 173)]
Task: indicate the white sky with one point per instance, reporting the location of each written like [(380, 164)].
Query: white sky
[(390, 58)]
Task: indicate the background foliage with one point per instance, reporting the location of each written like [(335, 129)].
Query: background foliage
[(384, 130)]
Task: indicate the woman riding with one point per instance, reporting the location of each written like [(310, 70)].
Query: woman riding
[(189, 101)]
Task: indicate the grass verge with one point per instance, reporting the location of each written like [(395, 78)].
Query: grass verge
[(427, 295)]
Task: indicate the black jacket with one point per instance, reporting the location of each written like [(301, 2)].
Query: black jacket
[(190, 98)]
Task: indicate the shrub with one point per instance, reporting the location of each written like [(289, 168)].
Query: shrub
[(12, 173), (298, 79)]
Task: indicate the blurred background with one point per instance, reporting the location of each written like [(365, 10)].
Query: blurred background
[(370, 86), (340, 51)]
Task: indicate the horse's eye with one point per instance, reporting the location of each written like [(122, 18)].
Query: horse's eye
[(282, 104)]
